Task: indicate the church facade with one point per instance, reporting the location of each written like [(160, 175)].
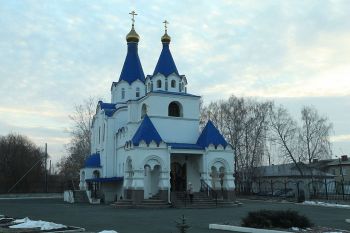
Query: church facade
[(147, 140)]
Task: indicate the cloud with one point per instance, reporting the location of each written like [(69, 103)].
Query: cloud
[(341, 138), (57, 54)]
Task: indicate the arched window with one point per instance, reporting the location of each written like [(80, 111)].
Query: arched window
[(173, 83), (137, 92), (159, 84), (149, 87), (175, 109), (123, 93), (143, 110)]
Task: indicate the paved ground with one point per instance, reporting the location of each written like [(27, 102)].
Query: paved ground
[(101, 217)]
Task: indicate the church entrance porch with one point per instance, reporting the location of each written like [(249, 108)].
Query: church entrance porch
[(185, 169)]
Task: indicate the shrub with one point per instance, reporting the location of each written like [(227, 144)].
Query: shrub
[(275, 219)]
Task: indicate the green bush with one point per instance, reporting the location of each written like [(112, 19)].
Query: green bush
[(275, 219)]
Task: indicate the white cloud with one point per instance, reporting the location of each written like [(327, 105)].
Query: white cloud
[(341, 138)]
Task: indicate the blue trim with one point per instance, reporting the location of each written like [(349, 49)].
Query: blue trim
[(211, 135), (165, 64), (146, 132), (132, 68), (105, 179), (185, 146), (173, 93), (93, 161)]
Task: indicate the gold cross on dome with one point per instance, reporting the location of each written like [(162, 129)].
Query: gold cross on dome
[(133, 13), (165, 25)]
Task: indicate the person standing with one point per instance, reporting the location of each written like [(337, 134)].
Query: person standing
[(190, 191)]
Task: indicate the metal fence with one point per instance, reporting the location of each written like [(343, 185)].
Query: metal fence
[(285, 189)]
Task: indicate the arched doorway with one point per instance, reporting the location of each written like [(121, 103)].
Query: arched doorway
[(178, 177), (95, 184)]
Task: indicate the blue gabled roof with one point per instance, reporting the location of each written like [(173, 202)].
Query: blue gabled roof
[(165, 64), (132, 68), (106, 105), (211, 135), (146, 132), (93, 160), (108, 108)]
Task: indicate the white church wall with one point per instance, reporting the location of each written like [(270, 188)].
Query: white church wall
[(177, 130), (158, 79), (117, 92), (193, 174), (137, 85), (218, 158), (177, 80), (154, 158), (158, 105)]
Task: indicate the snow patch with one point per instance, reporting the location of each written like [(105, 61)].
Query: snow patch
[(108, 231), (319, 203), (43, 225)]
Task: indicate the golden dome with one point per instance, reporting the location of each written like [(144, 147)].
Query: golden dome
[(166, 38), (132, 36)]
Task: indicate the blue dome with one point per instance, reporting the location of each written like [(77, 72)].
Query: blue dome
[(93, 160)]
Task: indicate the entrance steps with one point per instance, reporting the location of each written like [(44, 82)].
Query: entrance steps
[(200, 200), (80, 196), (153, 202)]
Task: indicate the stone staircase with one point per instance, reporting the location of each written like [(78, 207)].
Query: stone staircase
[(200, 200), (80, 196), (153, 202)]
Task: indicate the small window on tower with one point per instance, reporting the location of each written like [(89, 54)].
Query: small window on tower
[(173, 83), (123, 93), (137, 92), (159, 84), (149, 87)]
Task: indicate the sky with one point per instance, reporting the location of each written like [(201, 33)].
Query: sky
[(55, 54)]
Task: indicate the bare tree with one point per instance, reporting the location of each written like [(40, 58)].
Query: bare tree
[(243, 122), (80, 145), (314, 135), (285, 133)]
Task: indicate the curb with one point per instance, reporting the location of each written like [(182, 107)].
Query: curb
[(242, 229)]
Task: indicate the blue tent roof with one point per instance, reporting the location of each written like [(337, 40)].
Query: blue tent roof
[(132, 68), (211, 135), (166, 64), (106, 105), (146, 132), (93, 160)]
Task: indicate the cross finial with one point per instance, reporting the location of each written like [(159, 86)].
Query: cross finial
[(165, 25), (133, 13)]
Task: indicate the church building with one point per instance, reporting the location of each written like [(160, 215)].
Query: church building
[(147, 141)]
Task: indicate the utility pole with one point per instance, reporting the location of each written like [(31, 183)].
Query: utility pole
[(46, 167)]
